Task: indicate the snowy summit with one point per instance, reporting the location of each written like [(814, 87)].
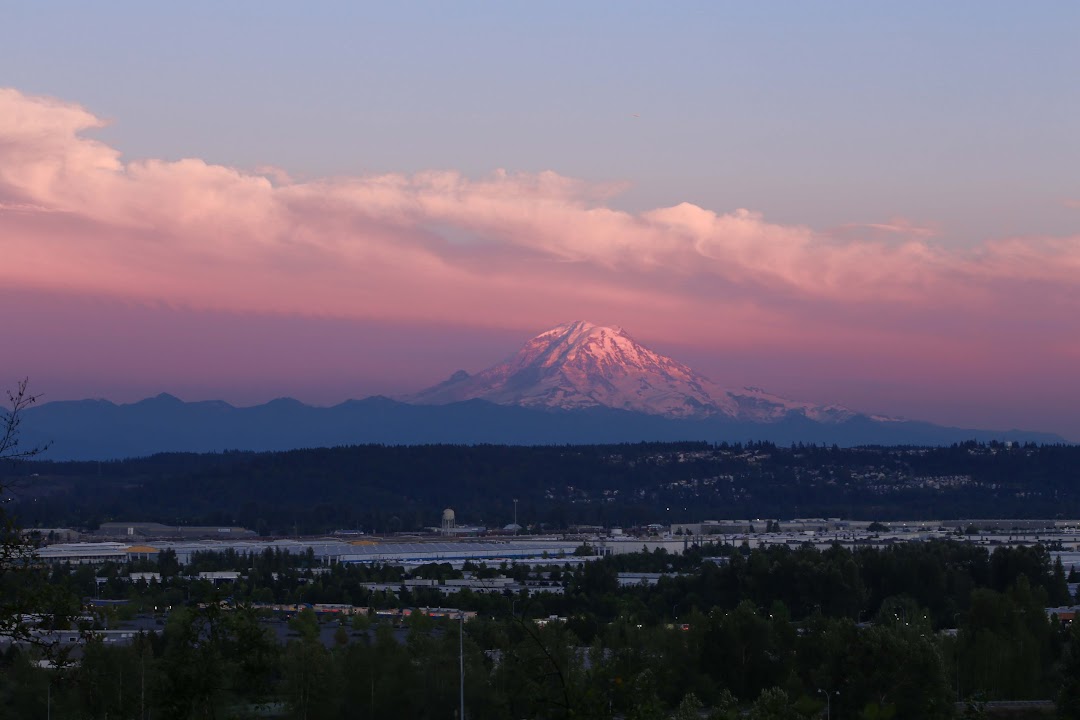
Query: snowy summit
[(580, 365)]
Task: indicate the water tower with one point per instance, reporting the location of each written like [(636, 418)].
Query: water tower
[(448, 520)]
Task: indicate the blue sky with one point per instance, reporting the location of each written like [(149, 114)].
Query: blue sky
[(957, 114)]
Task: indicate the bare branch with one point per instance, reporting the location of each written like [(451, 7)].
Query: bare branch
[(23, 611), (11, 419)]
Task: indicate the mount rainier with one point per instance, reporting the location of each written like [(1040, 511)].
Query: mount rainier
[(577, 383), (580, 365)]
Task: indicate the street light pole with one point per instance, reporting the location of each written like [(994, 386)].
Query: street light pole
[(956, 619), (461, 656), (828, 701)]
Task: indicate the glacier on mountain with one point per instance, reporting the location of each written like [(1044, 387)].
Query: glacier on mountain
[(581, 365)]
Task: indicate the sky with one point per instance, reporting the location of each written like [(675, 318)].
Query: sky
[(865, 203)]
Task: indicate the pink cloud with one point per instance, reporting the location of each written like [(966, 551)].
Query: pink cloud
[(509, 250), (189, 219)]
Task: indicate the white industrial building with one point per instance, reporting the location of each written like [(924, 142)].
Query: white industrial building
[(325, 550)]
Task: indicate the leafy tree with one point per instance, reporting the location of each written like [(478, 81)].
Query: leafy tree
[(193, 668), (361, 622), (645, 701), (341, 636), (167, 563), (1007, 643), (897, 667), (772, 704), (1059, 584), (305, 624), (108, 679), (309, 679), (725, 707), (1068, 699), (689, 708), (741, 651), (255, 654)]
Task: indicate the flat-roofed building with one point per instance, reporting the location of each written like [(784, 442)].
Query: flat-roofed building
[(133, 530), (83, 553)]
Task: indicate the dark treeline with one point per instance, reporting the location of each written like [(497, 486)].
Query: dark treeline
[(742, 633), (935, 577), (391, 488)]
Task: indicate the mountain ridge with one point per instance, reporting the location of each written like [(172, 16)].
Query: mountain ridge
[(577, 383), (95, 431)]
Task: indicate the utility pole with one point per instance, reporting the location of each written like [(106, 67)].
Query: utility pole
[(461, 659), (515, 511)]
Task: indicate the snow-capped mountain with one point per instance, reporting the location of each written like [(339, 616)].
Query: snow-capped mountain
[(580, 365)]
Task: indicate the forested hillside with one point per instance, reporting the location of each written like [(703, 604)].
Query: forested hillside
[(387, 488)]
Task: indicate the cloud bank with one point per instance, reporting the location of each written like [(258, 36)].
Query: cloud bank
[(509, 250)]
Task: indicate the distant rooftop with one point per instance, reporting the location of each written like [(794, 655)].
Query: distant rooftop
[(158, 530)]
